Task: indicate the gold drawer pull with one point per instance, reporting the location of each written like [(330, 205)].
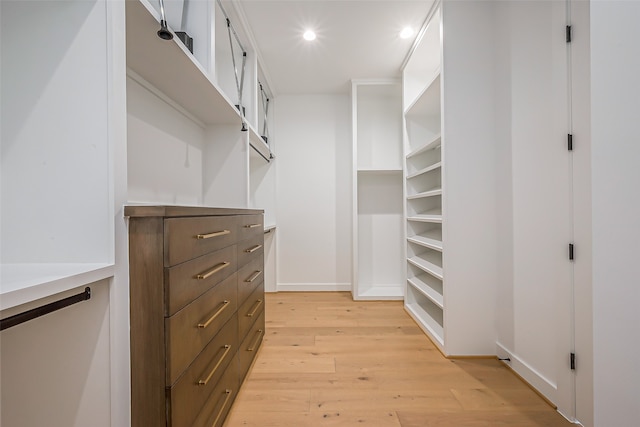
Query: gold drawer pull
[(206, 380), (254, 276), (255, 308), (224, 404), (225, 304), (210, 235), (255, 343), (253, 249), (214, 270), (252, 225)]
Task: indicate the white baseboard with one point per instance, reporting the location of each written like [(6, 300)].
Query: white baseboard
[(547, 388), (313, 287)]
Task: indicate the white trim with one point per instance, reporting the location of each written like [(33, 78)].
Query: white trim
[(535, 379), (120, 384), (313, 287)]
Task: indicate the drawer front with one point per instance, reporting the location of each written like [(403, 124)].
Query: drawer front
[(189, 280), (190, 329), (249, 276), (250, 345), (195, 387), (250, 249), (217, 406), (250, 226), (250, 310), (187, 238)]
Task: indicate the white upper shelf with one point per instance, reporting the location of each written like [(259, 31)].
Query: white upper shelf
[(427, 103), (258, 144), (23, 283), (172, 69)]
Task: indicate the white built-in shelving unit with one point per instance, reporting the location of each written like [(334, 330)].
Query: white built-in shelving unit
[(378, 272), (449, 181), (422, 103), (57, 211), (184, 111), (99, 112)]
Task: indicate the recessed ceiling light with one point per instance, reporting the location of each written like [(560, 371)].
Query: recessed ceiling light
[(406, 32), (309, 35)]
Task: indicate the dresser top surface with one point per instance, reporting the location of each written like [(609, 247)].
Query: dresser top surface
[(167, 211)]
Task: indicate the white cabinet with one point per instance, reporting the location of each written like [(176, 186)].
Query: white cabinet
[(450, 181), (377, 191)]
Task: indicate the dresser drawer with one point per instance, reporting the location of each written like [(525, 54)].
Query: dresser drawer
[(250, 345), (250, 249), (250, 226), (187, 238), (250, 310), (190, 329), (189, 280), (250, 276), (196, 386), (217, 406)]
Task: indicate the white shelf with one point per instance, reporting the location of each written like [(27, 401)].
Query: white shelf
[(429, 193), (432, 144), (431, 239), (427, 102), (425, 170), (380, 171), (258, 144), (427, 217), (427, 323), (172, 69), (421, 283), (23, 283), (425, 262)]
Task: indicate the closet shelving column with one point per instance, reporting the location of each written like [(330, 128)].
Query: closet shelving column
[(378, 272), (424, 298), (57, 211)]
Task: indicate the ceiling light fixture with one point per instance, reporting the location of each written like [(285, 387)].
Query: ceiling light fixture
[(309, 35), (406, 32)]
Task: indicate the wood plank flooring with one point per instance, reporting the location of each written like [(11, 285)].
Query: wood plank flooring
[(329, 361)]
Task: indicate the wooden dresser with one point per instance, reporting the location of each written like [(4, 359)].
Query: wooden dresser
[(196, 308)]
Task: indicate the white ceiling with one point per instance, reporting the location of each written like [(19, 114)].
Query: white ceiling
[(356, 39)]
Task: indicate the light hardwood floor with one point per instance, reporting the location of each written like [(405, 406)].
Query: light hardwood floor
[(329, 361)]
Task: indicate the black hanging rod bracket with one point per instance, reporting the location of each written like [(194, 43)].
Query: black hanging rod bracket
[(19, 318)]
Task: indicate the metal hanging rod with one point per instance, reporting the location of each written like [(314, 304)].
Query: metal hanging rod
[(262, 155), (17, 319)]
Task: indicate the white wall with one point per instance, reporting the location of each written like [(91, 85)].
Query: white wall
[(313, 178), (615, 103), (164, 150)]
